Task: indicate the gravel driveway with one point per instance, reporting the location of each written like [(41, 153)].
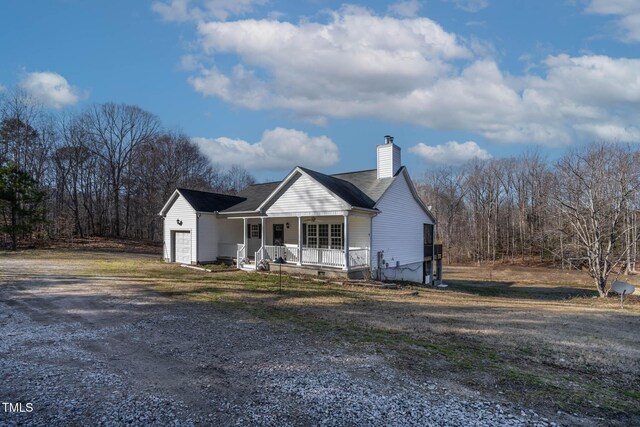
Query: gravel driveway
[(99, 351)]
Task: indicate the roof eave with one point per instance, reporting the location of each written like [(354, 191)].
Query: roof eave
[(405, 172), (238, 212), (368, 210), (165, 208)]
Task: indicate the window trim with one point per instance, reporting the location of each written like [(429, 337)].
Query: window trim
[(330, 237)]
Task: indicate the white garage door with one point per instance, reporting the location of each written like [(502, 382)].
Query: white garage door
[(183, 247)]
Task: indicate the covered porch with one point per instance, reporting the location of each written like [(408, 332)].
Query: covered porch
[(339, 241)]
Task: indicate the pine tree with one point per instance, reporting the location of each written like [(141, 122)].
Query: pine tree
[(20, 203)]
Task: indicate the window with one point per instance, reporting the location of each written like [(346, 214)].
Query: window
[(312, 235), (428, 234), (325, 236), (336, 236), (255, 230)]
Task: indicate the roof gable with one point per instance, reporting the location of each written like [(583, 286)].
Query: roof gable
[(361, 189), (345, 190), (404, 174), (302, 193)]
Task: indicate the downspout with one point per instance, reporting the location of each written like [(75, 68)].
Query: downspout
[(433, 256), (371, 244), (166, 256), (197, 239)]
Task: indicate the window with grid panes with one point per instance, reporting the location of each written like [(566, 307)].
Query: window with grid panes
[(323, 236), (336, 236), (312, 235)]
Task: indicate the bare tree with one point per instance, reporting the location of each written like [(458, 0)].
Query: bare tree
[(236, 179), (159, 166), (107, 170), (445, 189), (113, 132), (594, 186)]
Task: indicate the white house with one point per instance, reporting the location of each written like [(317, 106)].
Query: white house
[(356, 224)]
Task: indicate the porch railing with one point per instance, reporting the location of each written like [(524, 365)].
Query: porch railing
[(320, 256), (288, 252), (259, 256), (272, 253), (241, 254), (358, 257), (291, 253), (314, 256)]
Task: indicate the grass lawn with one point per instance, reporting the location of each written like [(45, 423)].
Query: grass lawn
[(534, 336)]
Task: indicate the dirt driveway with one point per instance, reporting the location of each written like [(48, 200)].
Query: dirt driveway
[(99, 350)]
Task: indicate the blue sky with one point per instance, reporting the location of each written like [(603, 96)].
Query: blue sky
[(271, 84)]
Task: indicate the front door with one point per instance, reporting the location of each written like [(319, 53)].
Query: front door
[(278, 234), (254, 239)]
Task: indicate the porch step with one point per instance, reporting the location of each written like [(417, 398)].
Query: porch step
[(248, 266)]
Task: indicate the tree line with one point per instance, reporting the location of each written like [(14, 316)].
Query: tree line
[(106, 170), (581, 210)]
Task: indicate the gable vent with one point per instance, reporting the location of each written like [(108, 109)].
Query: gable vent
[(388, 158)]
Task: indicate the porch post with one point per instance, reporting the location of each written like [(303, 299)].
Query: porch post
[(346, 242), (263, 238), (299, 240), (244, 238)]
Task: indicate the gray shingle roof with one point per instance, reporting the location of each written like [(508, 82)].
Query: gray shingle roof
[(253, 197), (360, 189), (367, 182), (204, 201)]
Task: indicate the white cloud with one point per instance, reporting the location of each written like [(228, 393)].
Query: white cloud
[(471, 6), (51, 89), (408, 8), (611, 132), (2, 88), (626, 13), (278, 149), (175, 10), (189, 63), (313, 68), (411, 70), (198, 10), (450, 153)]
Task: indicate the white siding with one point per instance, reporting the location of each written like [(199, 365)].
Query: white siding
[(218, 237), (388, 160), (306, 196), (359, 229), (208, 236), (291, 233), (179, 210), (208, 233), (398, 231), (230, 234)]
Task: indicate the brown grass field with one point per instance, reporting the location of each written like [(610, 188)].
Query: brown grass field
[(534, 336)]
